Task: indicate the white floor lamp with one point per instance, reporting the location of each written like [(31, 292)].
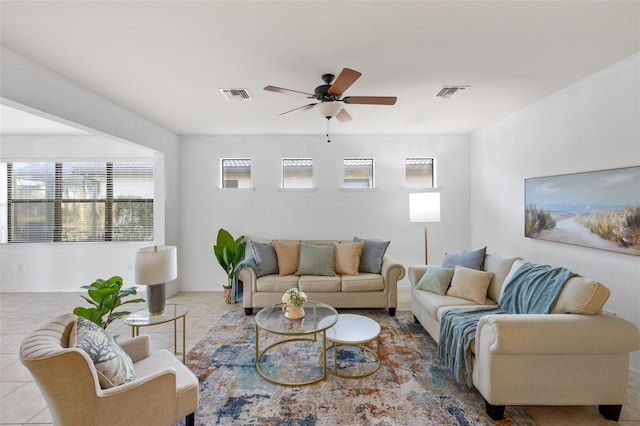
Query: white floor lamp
[(154, 267), (424, 207)]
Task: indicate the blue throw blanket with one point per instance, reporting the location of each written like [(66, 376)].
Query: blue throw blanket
[(237, 286), (533, 289)]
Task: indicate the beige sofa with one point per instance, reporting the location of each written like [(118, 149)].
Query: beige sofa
[(574, 355), (357, 289)]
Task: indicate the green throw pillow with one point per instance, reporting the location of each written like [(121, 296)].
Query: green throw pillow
[(317, 259), (436, 279)]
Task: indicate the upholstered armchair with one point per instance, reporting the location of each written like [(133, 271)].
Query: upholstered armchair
[(163, 391)]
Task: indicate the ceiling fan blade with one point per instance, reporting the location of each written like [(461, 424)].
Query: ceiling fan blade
[(370, 100), (288, 91), (343, 116), (346, 78), (297, 110)]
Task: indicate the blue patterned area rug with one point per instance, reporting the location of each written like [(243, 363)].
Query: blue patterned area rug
[(410, 387)]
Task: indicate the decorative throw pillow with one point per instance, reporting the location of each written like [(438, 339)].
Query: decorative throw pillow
[(113, 364), (316, 259), (288, 252), (265, 257), (436, 279), (473, 259), (470, 284), (348, 258), (372, 254)]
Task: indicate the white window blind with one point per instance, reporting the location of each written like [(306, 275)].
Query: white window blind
[(78, 201)]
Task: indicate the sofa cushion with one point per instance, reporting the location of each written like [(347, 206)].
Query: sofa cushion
[(473, 259), (276, 283), (113, 365), (288, 252), (362, 282), (319, 284), (436, 279), (372, 254), (348, 258), (500, 266), (265, 257), (432, 302), (470, 284), (581, 296), (316, 260)]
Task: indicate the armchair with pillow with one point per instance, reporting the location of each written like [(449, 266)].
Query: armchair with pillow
[(88, 378), (354, 273), (572, 355)]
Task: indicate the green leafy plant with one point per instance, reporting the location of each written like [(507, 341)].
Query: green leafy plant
[(229, 252), (106, 296)]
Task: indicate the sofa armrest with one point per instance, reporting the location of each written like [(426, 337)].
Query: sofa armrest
[(415, 273), (392, 271), (137, 348), (248, 277), (556, 334)]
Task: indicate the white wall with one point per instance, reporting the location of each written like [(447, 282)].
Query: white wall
[(591, 125), (326, 213), (28, 86)]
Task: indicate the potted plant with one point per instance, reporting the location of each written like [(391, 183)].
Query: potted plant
[(106, 296), (229, 252)]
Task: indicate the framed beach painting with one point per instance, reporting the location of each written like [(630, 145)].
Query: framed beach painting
[(599, 209)]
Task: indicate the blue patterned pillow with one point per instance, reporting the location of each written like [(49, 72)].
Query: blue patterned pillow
[(113, 364), (265, 257)]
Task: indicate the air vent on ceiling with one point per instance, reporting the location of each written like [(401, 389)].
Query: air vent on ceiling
[(236, 94), (448, 91)]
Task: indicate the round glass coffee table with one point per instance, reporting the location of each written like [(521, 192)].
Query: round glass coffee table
[(289, 369)]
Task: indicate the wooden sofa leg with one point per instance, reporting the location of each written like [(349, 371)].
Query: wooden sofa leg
[(496, 412), (248, 311), (610, 412), (190, 420), (392, 312)]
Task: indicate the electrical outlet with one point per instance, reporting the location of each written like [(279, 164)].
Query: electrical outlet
[(610, 313)]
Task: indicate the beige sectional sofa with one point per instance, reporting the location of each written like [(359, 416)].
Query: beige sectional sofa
[(575, 355), (341, 273)]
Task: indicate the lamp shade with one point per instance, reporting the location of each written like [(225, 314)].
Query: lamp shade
[(156, 265), (424, 207), (329, 108)]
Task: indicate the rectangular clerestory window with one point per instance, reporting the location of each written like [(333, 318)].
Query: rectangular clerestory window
[(297, 173), (419, 172), (358, 173), (236, 173)]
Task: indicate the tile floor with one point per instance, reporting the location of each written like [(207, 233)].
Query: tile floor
[(20, 313)]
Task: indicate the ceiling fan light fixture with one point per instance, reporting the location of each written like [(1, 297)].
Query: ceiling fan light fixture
[(329, 109)]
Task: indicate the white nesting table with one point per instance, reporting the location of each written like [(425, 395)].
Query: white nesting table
[(354, 330)]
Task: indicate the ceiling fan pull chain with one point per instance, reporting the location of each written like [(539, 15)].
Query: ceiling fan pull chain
[(328, 119)]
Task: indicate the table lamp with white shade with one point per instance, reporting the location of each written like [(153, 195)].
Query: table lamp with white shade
[(154, 267), (424, 207)]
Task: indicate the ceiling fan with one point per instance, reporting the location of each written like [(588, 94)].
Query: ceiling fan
[(330, 97)]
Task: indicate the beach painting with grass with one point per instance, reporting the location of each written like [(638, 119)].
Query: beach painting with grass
[(599, 209)]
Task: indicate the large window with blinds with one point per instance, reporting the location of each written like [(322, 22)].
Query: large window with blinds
[(46, 202)]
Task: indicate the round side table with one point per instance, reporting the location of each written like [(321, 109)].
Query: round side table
[(172, 312)]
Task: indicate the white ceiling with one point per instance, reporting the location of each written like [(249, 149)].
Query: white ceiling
[(166, 60)]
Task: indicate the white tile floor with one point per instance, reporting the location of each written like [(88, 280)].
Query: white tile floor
[(22, 404)]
